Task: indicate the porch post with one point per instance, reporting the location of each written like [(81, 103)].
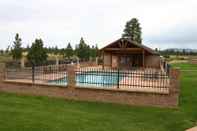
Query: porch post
[(143, 58), (103, 59), (111, 60)]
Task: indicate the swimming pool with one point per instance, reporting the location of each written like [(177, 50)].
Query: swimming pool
[(98, 79)]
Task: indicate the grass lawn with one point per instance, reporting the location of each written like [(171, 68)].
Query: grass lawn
[(30, 113), (5, 58)]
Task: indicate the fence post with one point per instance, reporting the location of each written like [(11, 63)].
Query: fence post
[(33, 73), (174, 79), (175, 83), (118, 78), (71, 76)]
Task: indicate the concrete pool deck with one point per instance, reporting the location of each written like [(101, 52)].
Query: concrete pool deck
[(129, 82), (192, 129)]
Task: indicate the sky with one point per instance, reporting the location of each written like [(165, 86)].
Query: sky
[(164, 23)]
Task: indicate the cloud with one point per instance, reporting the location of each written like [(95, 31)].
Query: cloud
[(99, 22), (180, 34)]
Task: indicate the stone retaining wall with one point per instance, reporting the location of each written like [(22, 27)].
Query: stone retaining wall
[(101, 95)]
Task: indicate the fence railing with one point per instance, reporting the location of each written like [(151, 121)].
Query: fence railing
[(136, 79), (149, 80), (51, 75)]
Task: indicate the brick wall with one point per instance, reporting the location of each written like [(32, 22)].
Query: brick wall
[(102, 95)]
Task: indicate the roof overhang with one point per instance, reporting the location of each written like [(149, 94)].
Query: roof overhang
[(140, 47)]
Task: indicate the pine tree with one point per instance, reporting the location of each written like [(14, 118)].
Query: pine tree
[(93, 52), (37, 54), (133, 31), (7, 51), (83, 50), (55, 50), (17, 50), (69, 51)]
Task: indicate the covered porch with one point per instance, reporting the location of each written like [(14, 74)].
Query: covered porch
[(124, 59), (126, 54)]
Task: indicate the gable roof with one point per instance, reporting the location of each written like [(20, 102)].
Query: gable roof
[(151, 51)]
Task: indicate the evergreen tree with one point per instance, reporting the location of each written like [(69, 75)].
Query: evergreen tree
[(55, 50), (69, 51), (37, 54), (7, 51), (1, 52), (184, 52), (133, 31), (83, 50), (27, 48), (93, 52), (62, 51), (17, 50)]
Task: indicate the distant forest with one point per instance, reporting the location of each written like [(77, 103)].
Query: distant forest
[(93, 51), (178, 51), (82, 50)]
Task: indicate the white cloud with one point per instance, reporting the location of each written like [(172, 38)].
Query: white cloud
[(98, 21)]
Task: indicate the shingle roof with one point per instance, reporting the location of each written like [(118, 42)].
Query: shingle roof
[(134, 43)]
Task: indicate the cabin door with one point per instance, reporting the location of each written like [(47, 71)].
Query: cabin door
[(114, 61), (125, 62)]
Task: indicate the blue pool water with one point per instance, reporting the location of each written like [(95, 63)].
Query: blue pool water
[(92, 78), (62, 81)]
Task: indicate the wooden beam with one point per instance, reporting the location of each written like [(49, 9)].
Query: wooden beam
[(125, 52), (119, 44), (111, 59), (125, 45), (143, 52), (103, 59), (123, 49)]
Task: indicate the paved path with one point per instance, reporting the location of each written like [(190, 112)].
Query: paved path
[(192, 129)]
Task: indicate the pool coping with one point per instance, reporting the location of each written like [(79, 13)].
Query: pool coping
[(85, 87), (34, 84)]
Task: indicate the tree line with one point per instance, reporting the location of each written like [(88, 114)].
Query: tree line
[(183, 52), (38, 54)]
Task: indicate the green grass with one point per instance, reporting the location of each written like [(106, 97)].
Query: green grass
[(185, 66), (31, 113), (5, 58)]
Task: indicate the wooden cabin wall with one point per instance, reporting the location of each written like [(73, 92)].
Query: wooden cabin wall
[(152, 61), (107, 59)]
